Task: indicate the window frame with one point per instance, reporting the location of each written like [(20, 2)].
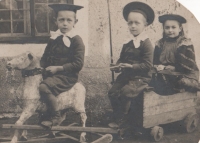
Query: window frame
[(20, 38)]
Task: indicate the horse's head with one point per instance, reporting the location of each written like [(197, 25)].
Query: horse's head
[(20, 62)]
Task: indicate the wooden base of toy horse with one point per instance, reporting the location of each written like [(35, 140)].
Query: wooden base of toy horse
[(107, 138), (62, 137)]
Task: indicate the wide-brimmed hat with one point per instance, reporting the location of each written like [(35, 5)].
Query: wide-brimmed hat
[(61, 7), (139, 7), (176, 17)]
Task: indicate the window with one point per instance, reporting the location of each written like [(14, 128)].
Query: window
[(27, 20)]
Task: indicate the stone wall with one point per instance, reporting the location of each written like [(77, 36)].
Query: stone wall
[(95, 74)]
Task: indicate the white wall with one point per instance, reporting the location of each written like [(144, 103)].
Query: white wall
[(82, 25), (9, 50)]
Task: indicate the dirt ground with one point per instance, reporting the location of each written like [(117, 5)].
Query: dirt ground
[(173, 134)]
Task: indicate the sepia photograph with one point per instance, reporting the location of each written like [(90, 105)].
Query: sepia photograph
[(99, 71)]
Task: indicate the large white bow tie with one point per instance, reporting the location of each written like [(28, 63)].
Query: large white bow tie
[(55, 34)]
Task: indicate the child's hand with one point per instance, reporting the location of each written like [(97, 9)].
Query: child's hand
[(125, 65), (159, 67), (111, 65), (172, 68), (52, 69), (115, 68)]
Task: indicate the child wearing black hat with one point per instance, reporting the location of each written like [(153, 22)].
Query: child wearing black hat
[(63, 58), (174, 56), (135, 63)]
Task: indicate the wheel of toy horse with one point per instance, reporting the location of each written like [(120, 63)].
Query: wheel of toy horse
[(191, 122), (157, 133)]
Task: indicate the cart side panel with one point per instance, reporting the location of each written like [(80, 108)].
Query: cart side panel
[(168, 107), (153, 99), (159, 109), (168, 117)]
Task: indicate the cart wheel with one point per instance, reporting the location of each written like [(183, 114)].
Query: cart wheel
[(191, 122), (157, 133)]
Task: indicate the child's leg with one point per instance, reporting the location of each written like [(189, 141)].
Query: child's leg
[(48, 97), (125, 103), (113, 95), (52, 104), (125, 98)]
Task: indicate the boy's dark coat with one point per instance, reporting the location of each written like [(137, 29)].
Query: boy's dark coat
[(71, 58)]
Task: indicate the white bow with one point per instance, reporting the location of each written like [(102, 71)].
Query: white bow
[(55, 34)]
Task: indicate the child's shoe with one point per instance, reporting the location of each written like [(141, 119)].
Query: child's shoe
[(120, 123), (55, 120)]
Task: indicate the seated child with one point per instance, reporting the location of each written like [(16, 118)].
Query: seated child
[(63, 58), (135, 63), (175, 53)]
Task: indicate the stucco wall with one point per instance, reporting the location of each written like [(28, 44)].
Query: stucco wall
[(95, 74)]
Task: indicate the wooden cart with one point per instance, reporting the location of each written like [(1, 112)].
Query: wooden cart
[(158, 110)]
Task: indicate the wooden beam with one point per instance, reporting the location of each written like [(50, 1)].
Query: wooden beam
[(70, 137), (46, 135), (46, 140), (5, 140), (103, 139), (61, 128)]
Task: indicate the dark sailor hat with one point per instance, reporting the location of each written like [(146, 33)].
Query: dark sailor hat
[(61, 7), (139, 7), (165, 17)]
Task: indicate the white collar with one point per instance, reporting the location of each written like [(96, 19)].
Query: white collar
[(67, 42), (136, 40), (55, 34), (141, 37)]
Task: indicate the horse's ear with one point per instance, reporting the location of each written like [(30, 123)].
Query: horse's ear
[(30, 56)]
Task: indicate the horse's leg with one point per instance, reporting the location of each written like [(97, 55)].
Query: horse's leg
[(24, 133), (79, 107), (83, 117), (22, 119), (26, 114)]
